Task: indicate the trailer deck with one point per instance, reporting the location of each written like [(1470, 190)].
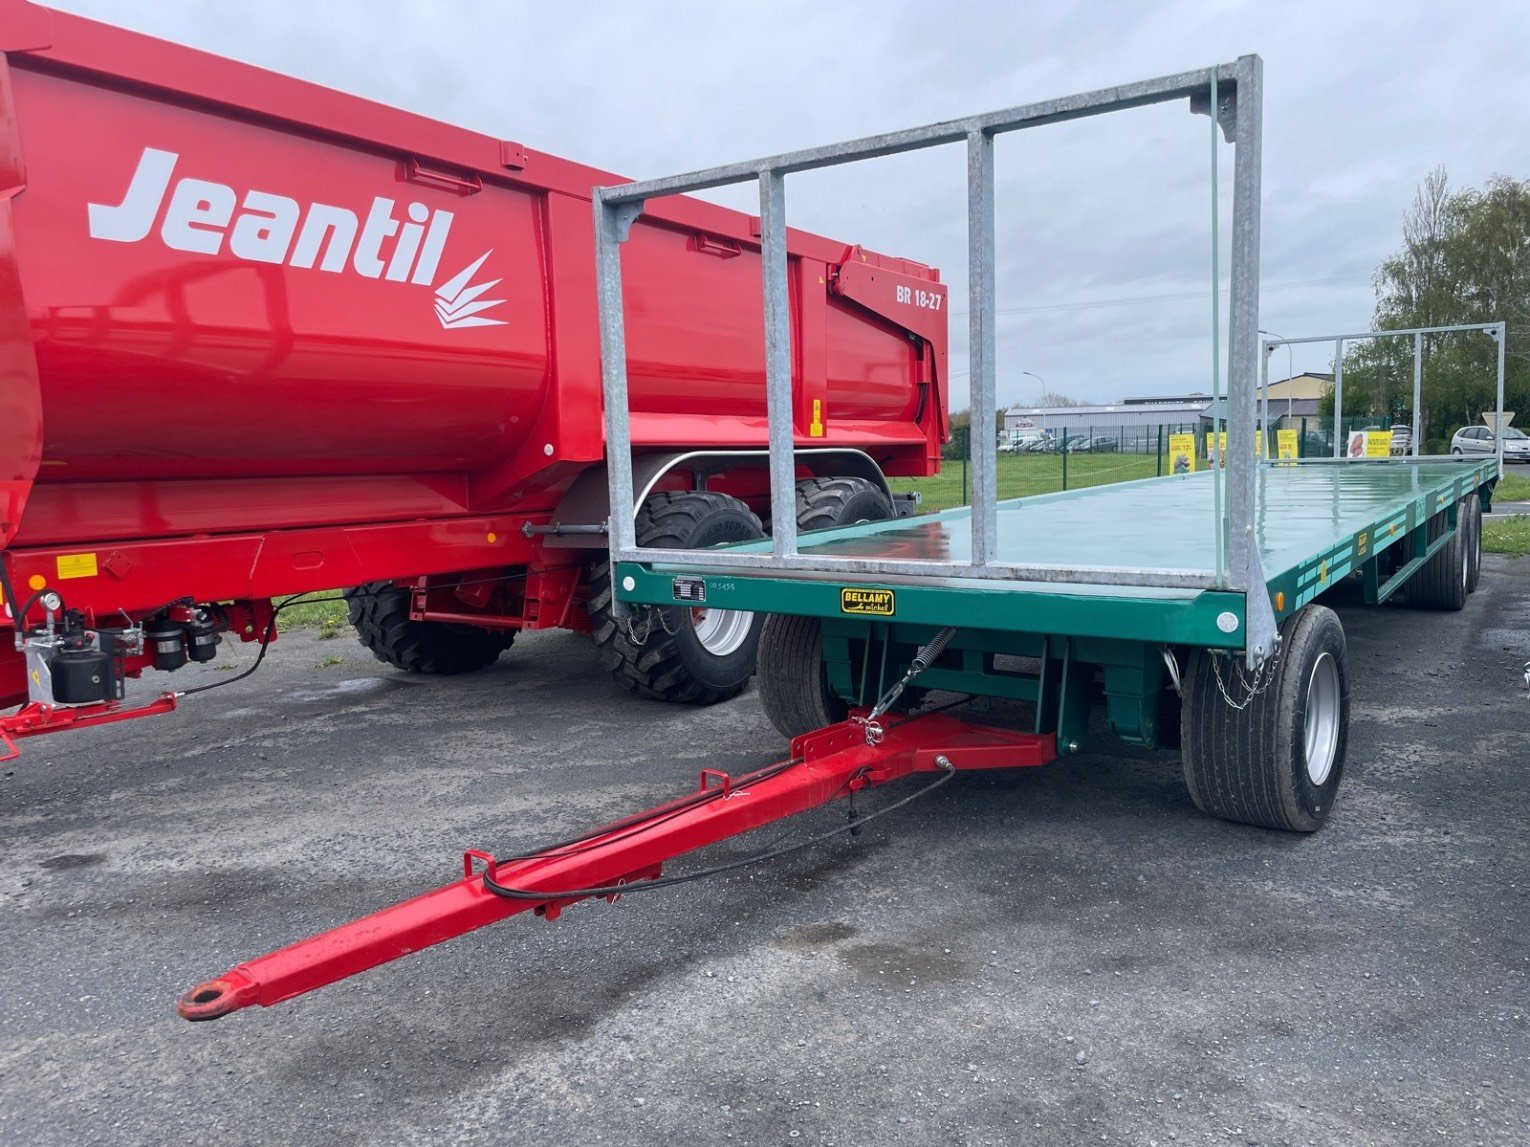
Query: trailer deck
[(1317, 522)]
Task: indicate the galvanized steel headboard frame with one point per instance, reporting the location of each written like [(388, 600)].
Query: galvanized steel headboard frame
[(1498, 332), (1234, 87)]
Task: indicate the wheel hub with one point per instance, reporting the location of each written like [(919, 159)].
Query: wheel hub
[(721, 631), (1321, 720)]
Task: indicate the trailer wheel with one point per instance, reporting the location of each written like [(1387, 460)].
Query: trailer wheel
[(695, 655), (380, 613), (1445, 579), (794, 686), (826, 502), (1277, 760), (1471, 505)]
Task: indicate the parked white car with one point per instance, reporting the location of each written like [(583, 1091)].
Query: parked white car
[(1480, 440)]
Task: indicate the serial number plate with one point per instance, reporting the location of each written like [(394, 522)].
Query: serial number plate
[(872, 602), (691, 589)]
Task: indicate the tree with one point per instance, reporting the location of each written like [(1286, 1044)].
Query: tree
[(1052, 399), (1465, 258)]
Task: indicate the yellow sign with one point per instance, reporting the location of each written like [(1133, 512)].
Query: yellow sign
[(1182, 453), (1285, 444), (1362, 543), (871, 602), (815, 427), (76, 565), (1369, 444), (1220, 458), (1220, 454)]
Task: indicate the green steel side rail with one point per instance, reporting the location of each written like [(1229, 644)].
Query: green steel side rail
[(1384, 504)]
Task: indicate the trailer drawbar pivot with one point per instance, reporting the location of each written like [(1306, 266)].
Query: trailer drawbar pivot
[(629, 855)]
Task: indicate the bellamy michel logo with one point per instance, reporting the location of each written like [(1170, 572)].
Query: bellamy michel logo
[(267, 228)]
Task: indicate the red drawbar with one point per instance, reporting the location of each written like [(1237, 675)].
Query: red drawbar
[(37, 718), (824, 766)]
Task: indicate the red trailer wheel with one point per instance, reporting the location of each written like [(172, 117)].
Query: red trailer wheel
[(380, 613)]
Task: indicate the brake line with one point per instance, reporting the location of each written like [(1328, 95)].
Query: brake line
[(510, 893)]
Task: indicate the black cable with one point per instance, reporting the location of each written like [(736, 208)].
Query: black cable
[(265, 644), (667, 881), (30, 602), (309, 599), (8, 593), (640, 822), (631, 826)]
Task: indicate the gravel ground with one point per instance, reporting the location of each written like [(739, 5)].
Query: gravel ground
[(1066, 955)]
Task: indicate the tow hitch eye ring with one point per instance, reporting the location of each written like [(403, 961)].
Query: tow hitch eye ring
[(208, 1001)]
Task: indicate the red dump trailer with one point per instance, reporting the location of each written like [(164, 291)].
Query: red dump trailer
[(258, 337)]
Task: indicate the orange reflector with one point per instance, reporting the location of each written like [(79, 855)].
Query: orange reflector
[(1280, 600)]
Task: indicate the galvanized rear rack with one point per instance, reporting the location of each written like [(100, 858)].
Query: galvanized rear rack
[(1232, 89)]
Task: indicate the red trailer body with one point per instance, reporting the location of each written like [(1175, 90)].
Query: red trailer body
[(259, 337)]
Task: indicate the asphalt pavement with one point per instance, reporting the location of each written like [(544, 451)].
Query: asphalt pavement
[(1063, 955)]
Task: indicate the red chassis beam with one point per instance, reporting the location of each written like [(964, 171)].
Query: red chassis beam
[(824, 765)]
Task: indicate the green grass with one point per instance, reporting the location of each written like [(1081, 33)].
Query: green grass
[(1512, 488), (1025, 475), (1509, 535), (326, 616)]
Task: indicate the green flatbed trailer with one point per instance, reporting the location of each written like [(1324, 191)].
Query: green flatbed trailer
[(1186, 605), (1390, 525)]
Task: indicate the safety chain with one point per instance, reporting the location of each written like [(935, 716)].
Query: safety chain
[(649, 613), (922, 661), (1262, 679), (632, 627)]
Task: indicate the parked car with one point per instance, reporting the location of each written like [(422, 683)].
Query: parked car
[(1026, 441), (1099, 444), (1480, 440)]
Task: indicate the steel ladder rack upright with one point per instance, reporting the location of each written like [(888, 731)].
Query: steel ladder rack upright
[(1236, 88)]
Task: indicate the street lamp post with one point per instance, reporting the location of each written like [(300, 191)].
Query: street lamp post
[(1038, 378)]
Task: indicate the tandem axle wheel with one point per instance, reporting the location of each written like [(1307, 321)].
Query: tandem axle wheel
[(1268, 749)]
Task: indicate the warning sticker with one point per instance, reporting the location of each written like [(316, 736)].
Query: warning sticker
[(76, 565), (869, 602)]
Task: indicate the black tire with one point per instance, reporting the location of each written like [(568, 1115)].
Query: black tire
[(826, 502), (671, 663), (380, 613), (1472, 506), (794, 685), (1250, 765), (1442, 583)]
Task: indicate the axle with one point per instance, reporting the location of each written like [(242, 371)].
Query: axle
[(824, 766)]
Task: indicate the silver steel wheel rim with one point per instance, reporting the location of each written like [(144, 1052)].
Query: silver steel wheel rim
[(1321, 720), (721, 631)]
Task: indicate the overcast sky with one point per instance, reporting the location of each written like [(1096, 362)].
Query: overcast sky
[(1103, 226)]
